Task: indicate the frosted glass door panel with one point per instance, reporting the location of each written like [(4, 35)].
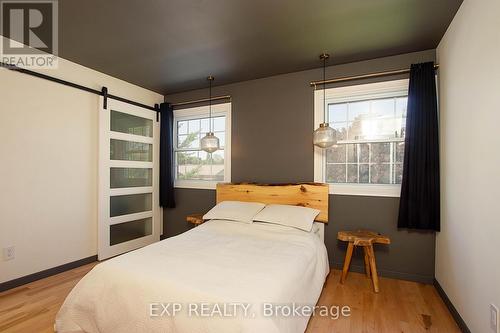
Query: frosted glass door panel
[(130, 204), (127, 123), (124, 232), (130, 177), (130, 151)]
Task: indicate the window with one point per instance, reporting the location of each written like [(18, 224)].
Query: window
[(195, 168), (370, 122)]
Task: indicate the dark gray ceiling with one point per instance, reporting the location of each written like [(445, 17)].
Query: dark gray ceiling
[(172, 45)]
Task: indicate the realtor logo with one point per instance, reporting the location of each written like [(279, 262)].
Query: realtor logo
[(30, 33)]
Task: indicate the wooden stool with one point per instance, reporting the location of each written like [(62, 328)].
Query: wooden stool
[(366, 239)]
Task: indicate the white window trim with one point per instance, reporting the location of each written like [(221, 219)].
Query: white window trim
[(353, 93), (223, 109)]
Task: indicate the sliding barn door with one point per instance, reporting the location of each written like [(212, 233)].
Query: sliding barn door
[(129, 213)]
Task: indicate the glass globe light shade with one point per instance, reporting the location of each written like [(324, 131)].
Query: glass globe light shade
[(209, 143), (324, 136)]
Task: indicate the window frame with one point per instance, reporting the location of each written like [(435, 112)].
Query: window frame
[(221, 109), (353, 93)]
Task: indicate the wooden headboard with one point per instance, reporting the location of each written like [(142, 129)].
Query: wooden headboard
[(312, 195)]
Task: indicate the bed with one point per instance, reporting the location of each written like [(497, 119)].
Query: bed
[(221, 276)]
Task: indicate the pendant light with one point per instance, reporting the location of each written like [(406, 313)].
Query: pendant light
[(210, 142), (324, 136)]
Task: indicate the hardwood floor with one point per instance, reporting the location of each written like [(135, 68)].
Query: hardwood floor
[(32, 308), (401, 306)]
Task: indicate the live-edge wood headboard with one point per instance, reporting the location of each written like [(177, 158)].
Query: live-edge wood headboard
[(312, 195)]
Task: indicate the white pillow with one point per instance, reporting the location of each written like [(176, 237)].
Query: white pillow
[(234, 211), (292, 216)]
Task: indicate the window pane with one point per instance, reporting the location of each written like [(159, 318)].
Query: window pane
[(364, 173), (218, 165), (130, 177), (364, 153), (218, 157), (401, 116), (130, 151), (401, 103), (180, 141), (199, 165), (123, 232), (340, 129), (191, 140), (400, 127), (336, 154), (381, 152), (129, 204), (383, 124), (358, 119), (398, 173), (337, 113), (219, 124), (205, 128), (335, 173), (127, 123), (352, 173), (219, 176), (400, 151), (380, 173), (194, 126), (204, 157), (188, 164), (384, 128), (356, 129), (352, 153), (359, 110), (182, 127), (222, 138), (383, 108)]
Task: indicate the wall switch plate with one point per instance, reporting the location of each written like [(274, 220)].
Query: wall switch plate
[(9, 253), (494, 318)]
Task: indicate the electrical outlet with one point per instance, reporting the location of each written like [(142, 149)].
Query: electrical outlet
[(9, 253), (494, 318)]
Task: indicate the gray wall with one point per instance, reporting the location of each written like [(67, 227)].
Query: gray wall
[(272, 125)]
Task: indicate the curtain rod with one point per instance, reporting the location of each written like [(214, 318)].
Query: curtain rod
[(202, 100), (102, 92), (364, 76)]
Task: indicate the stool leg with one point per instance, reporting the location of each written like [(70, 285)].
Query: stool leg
[(347, 261), (373, 266), (367, 262)]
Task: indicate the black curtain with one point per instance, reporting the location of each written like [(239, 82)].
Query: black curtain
[(419, 201), (167, 199)]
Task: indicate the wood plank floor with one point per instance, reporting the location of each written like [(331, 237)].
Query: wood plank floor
[(401, 306)]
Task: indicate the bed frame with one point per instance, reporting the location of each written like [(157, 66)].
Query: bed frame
[(312, 195)]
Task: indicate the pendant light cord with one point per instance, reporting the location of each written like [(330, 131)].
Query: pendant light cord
[(210, 104), (324, 89)]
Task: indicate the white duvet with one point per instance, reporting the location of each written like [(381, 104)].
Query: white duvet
[(219, 263)]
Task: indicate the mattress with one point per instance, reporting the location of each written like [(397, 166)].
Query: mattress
[(221, 276)]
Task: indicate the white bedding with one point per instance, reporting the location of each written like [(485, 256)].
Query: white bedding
[(215, 263)]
